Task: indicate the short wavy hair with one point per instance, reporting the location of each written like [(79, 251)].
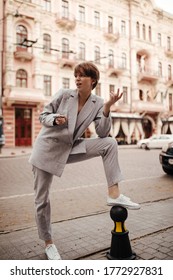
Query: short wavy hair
[(88, 69)]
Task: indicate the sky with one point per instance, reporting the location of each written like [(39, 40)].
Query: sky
[(166, 5)]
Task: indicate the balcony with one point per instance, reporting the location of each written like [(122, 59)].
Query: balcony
[(111, 35), (30, 96), (169, 53), (150, 107), (115, 70), (148, 75), (67, 22), (23, 54), (67, 60), (169, 82)]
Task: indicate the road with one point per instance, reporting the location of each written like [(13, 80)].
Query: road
[(81, 191)]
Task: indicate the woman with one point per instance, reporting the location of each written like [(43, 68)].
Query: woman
[(59, 142)]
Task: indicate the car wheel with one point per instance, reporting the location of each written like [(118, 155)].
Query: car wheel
[(168, 171), (143, 146)]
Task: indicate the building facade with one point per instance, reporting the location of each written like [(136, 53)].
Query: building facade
[(130, 41)]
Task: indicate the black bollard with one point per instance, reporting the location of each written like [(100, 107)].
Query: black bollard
[(120, 243)]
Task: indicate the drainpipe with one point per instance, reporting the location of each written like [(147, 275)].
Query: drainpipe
[(2, 138), (130, 52)]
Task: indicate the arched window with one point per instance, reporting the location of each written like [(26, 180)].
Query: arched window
[(160, 69), (137, 30), (149, 33), (124, 60), (21, 78), (21, 35), (82, 51), (169, 72), (65, 48), (47, 5), (159, 37), (141, 94), (111, 58), (144, 31), (46, 43), (110, 24), (97, 54)]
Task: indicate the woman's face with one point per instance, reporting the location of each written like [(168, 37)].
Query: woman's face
[(83, 82)]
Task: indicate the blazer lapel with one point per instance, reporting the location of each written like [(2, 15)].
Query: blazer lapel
[(86, 110), (72, 113)]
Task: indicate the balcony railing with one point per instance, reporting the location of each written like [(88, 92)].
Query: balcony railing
[(116, 69), (153, 107), (67, 60), (66, 21), (23, 54), (19, 95), (169, 81), (169, 52), (148, 75), (111, 35)]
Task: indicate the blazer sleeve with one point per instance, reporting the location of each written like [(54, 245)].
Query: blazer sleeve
[(49, 114), (102, 123)]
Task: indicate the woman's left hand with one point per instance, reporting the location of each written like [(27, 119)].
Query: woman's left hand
[(114, 97)]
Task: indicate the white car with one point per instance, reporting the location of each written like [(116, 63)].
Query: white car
[(155, 141)]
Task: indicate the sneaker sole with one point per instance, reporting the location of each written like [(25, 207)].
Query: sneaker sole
[(124, 205)]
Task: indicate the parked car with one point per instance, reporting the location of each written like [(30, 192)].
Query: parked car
[(166, 158), (155, 141)]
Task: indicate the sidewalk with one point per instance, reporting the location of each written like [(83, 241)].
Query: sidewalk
[(22, 151), (13, 152), (89, 237)]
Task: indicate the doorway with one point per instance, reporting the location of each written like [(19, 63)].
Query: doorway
[(147, 127), (23, 126)]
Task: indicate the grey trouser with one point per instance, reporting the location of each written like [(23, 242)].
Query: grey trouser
[(104, 147)]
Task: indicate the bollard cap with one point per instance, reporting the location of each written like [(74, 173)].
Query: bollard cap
[(118, 213)]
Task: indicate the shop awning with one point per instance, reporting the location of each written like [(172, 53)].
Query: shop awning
[(126, 115)]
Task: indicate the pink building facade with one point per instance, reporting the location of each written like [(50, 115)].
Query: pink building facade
[(130, 41)]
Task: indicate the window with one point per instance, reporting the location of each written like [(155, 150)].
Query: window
[(159, 38), (21, 78), (65, 9), (47, 5), (169, 72), (144, 32), (125, 97), (160, 69), (81, 13), (168, 43), (141, 94), (66, 83), (111, 88), (111, 58), (65, 48), (124, 60), (47, 85), (82, 51), (161, 96), (97, 54), (149, 33), (110, 24), (46, 43), (170, 102), (137, 30), (97, 18), (98, 89), (21, 35), (123, 27)]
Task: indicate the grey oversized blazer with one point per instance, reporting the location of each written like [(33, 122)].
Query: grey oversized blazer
[(54, 143)]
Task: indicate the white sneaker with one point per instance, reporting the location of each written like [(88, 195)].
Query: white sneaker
[(124, 201), (52, 252)]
